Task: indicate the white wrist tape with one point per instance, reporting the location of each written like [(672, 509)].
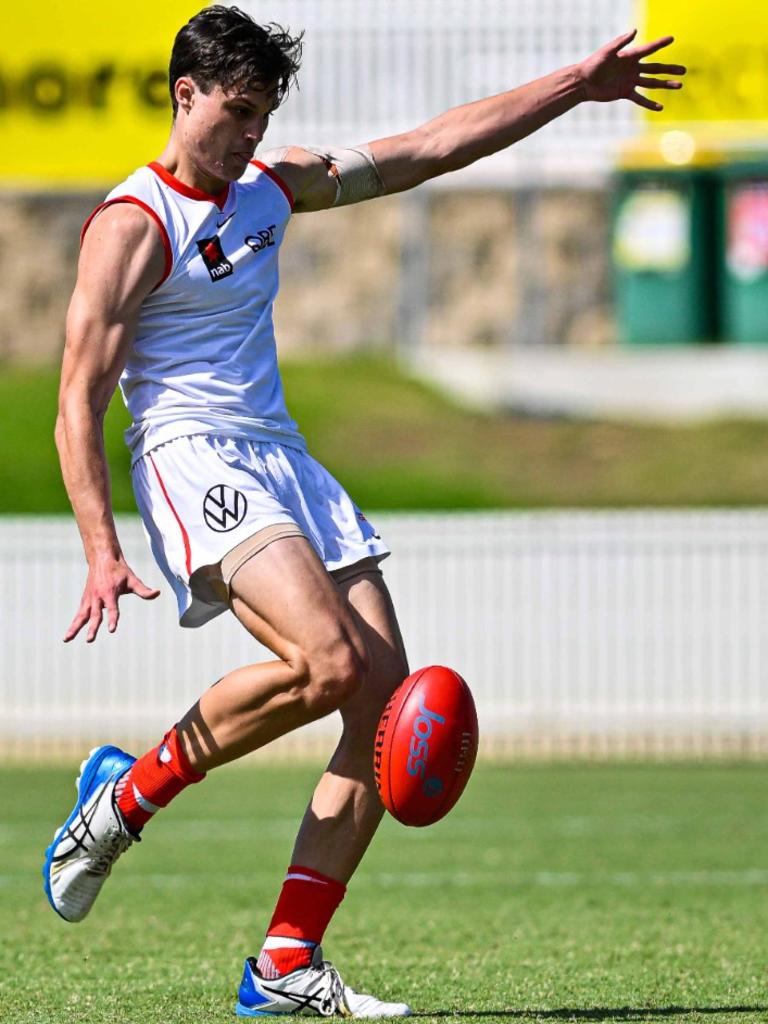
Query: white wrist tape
[(354, 172)]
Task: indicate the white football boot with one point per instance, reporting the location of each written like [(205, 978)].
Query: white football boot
[(80, 858), (317, 990)]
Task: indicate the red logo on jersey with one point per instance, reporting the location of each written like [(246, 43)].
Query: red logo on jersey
[(216, 262)]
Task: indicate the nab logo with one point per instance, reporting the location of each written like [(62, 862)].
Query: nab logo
[(262, 239), (224, 508), (216, 262)]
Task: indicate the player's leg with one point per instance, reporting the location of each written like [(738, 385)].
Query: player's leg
[(337, 828), (345, 809), (294, 607), (288, 602)]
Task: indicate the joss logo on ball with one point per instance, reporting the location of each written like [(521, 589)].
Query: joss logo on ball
[(419, 745)]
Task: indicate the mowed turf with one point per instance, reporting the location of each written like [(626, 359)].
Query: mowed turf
[(587, 893)]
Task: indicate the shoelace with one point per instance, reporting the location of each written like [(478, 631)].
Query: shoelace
[(111, 847), (333, 998)]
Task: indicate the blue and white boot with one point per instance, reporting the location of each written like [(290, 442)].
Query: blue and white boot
[(80, 858), (316, 990)]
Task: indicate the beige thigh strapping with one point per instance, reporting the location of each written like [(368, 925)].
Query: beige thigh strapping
[(239, 555), (348, 572), (214, 581)]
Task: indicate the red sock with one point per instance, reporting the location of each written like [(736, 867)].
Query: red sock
[(307, 903), (154, 780)]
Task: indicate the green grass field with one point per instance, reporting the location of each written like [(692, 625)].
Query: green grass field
[(398, 444), (552, 892)]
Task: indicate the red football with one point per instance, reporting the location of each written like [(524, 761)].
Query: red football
[(426, 746)]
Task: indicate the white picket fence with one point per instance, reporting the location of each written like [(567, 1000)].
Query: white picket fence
[(374, 68), (581, 633)]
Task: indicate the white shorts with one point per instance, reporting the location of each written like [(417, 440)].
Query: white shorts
[(203, 495)]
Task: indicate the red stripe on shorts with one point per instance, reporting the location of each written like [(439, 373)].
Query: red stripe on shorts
[(184, 534)]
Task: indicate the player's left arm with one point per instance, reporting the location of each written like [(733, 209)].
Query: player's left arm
[(467, 133)]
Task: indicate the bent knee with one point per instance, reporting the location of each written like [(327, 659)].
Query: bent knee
[(381, 684), (394, 675), (334, 675)]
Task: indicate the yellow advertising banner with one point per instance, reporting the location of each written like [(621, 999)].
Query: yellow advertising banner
[(725, 46), (84, 88)]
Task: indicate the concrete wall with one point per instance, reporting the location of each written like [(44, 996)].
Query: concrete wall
[(525, 267), (38, 258), (484, 268)]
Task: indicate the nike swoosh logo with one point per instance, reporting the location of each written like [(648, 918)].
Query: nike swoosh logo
[(221, 223)]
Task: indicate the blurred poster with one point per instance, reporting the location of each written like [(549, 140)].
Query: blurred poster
[(725, 46), (84, 88), (653, 231), (747, 211)]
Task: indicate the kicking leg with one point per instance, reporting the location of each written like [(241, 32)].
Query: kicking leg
[(288, 601), (285, 598)]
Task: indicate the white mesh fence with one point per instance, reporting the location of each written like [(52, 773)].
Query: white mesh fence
[(372, 69), (579, 632)]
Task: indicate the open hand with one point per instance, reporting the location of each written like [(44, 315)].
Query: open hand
[(107, 581), (614, 73)]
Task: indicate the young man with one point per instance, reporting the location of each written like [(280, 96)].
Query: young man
[(176, 281)]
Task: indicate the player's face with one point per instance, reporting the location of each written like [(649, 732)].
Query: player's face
[(221, 129)]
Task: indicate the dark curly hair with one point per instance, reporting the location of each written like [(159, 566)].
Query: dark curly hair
[(224, 46)]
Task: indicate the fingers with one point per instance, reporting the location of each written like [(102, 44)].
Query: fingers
[(113, 613), (94, 622), (662, 69), (101, 596), (621, 41), (648, 48), (135, 586), (643, 101), (657, 83), (91, 613), (83, 614), (109, 603)]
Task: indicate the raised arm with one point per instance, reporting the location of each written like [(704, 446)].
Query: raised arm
[(467, 133), (121, 261)]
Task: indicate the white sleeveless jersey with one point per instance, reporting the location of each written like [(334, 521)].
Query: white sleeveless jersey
[(204, 358)]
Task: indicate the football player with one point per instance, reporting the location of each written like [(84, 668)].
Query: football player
[(173, 302)]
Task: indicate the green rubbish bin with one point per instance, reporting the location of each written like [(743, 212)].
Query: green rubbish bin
[(665, 233), (744, 254)]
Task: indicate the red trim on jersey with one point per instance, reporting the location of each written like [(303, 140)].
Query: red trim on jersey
[(147, 209), (277, 180), (184, 534), (219, 198)]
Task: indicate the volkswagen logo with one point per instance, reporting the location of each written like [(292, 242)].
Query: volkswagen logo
[(224, 508)]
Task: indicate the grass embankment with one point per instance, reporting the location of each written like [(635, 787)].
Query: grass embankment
[(398, 444), (551, 893)]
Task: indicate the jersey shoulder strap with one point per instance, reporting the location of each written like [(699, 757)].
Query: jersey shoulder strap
[(141, 189)]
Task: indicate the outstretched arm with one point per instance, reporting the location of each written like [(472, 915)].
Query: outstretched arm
[(467, 133), (121, 261)]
